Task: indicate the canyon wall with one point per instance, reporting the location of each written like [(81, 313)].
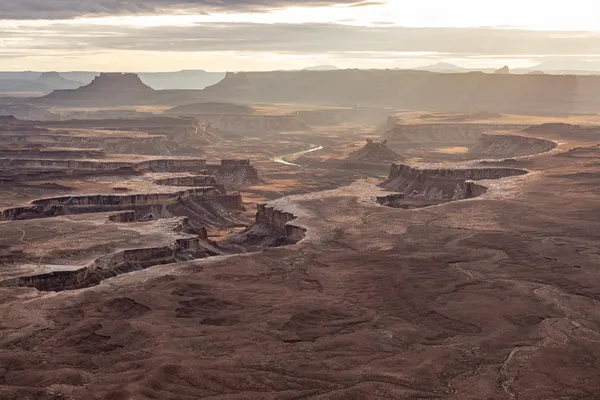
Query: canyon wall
[(25, 152), (275, 220), (196, 180), (277, 227), (272, 228), (442, 185), (125, 261), (156, 165), (109, 143), (234, 174), (232, 201), (64, 205), (502, 146)]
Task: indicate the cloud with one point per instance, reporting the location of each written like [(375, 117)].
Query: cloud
[(221, 45), (299, 38), (65, 9)]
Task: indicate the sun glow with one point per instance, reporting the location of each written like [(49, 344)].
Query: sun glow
[(26, 43), (581, 15)]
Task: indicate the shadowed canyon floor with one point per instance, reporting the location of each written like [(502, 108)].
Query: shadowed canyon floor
[(487, 290)]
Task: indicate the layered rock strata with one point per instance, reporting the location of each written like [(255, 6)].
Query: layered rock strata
[(234, 174), (183, 249), (52, 207), (439, 185)]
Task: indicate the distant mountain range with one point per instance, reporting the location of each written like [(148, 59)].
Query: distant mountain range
[(557, 66), (441, 67), (321, 68), (29, 81), (42, 83)]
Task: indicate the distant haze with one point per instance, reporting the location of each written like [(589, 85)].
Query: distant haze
[(173, 35)]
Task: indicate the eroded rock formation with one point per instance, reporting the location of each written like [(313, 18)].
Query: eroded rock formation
[(182, 249), (51, 207), (433, 186), (273, 227), (81, 166), (375, 151), (234, 174), (105, 89)]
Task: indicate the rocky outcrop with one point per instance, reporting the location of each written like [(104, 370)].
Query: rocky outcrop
[(273, 227), (234, 174), (31, 212), (232, 201), (182, 249), (116, 83), (56, 206), (132, 199), (109, 143), (37, 152), (107, 89), (123, 217), (375, 151), (171, 165), (278, 223), (195, 180), (434, 186), (391, 200), (501, 146), (81, 166)]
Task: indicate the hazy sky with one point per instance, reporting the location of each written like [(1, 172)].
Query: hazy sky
[(219, 35)]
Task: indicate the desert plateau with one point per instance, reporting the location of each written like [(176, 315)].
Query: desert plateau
[(286, 233)]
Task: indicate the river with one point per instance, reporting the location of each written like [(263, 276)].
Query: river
[(281, 159)]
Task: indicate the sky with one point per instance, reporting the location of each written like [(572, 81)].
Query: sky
[(235, 35)]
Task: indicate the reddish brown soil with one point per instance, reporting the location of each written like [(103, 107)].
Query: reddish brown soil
[(493, 298)]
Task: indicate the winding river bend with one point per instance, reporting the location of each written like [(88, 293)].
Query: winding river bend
[(282, 159)]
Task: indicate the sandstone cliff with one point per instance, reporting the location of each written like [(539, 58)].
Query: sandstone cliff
[(182, 249), (434, 186), (234, 174)]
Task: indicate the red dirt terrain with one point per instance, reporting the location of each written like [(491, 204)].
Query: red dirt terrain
[(490, 297)]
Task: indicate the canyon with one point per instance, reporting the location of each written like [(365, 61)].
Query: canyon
[(310, 234)]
